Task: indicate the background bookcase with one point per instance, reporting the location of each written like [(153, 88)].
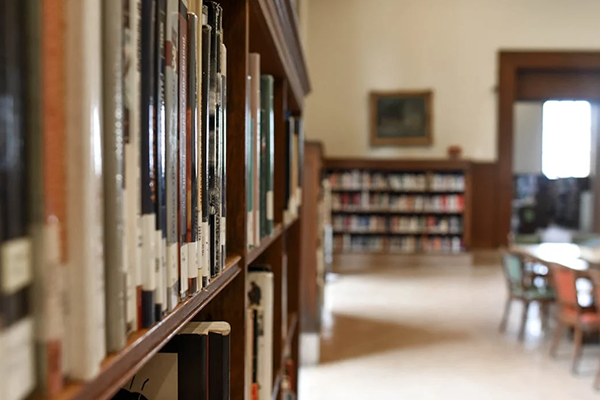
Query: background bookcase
[(268, 27), (360, 226)]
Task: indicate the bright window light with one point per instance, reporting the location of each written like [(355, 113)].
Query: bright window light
[(566, 139)]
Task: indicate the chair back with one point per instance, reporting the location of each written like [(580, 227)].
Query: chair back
[(594, 274), (564, 281), (513, 271)]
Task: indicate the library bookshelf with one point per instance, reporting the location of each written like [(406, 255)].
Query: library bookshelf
[(268, 27), (400, 206)]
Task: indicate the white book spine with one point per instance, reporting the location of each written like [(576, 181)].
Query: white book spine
[(193, 260), (183, 271), (161, 275), (205, 255), (149, 256), (172, 269), (84, 190)]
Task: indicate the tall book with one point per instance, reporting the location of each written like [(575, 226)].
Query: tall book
[(112, 174), (85, 271), (131, 132), (214, 20), (204, 153), (18, 366), (256, 141), (260, 302), (249, 168), (161, 160), (267, 134), (300, 133), (192, 162), (172, 171), (223, 152), (148, 167), (182, 134), (46, 178), (287, 195)]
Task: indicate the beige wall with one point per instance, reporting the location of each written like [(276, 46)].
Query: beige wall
[(450, 46)]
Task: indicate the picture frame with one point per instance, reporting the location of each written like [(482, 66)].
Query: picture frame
[(401, 118)]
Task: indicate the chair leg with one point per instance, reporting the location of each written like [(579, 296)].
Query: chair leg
[(545, 309), (597, 380), (557, 336), (578, 341), (524, 321), (506, 314)]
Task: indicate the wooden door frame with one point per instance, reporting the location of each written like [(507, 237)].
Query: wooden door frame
[(510, 63)]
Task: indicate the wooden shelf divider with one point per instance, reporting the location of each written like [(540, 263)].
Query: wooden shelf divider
[(255, 252)]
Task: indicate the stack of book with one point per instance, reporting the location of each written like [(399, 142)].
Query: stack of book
[(112, 163), (194, 365)]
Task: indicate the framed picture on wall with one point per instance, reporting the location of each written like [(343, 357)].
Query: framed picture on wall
[(401, 118)]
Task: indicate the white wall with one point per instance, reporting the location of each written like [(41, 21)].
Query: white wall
[(527, 144), (450, 46)]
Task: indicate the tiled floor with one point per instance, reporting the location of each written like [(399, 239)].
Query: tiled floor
[(431, 333)]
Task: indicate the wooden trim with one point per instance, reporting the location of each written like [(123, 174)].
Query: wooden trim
[(510, 64), (375, 140), (395, 164)]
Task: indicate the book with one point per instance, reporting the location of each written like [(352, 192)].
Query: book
[(288, 170), (267, 154), (223, 152), (249, 162), (132, 176), (160, 161), (85, 270), (45, 126), (112, 174), (17, 327), (148, 166), (300, 133), (214, 172), (256, 144), (182, 135), (204, 153), (157, 380), (260, 302), (194, 210), (172, 167)]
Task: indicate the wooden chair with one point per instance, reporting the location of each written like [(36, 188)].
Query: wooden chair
[(521, 282), (595, 276), (570, 313)]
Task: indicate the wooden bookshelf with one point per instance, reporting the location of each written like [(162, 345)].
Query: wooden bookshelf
[(270, 28), (428, 201)]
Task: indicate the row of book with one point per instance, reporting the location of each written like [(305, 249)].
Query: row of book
[(112, 171), (367, 180), (416, 225), (193, 365), (409, 244), (400, 203)]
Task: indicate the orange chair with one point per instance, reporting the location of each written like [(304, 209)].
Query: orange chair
[(595, 275), (570, 313)]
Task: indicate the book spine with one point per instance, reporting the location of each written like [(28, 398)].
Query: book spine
[(249, 162), (86, 306), (256, 141), (288, 171), (131, 133), (300, 133), (48, 188), (160, 161), (293, 177), (205, 153), (268, 156), (16, 329), (218, 365), (192, 165), (148, 168), (171, 78), (182, 134), (223, 165), (112, 164)]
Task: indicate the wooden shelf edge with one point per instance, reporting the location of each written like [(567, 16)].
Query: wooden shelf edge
[(255, 252), (395, 164), (399, 253), (388, 211), (288, 343), (144, 344), (290, 223)]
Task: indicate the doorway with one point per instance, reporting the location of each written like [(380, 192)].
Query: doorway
[(534, 76)]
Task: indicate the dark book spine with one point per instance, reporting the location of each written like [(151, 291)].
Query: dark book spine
[(214, 18), (288, 169), (223, 163), (192, 140), (172, 142), (204, 157), (300, 133), (218, 366), (267, 153), (148, 168), (15, 247), (192, 365), (182, 134), (160, 161)]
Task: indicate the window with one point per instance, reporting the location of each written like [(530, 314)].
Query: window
[(566, 139)]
